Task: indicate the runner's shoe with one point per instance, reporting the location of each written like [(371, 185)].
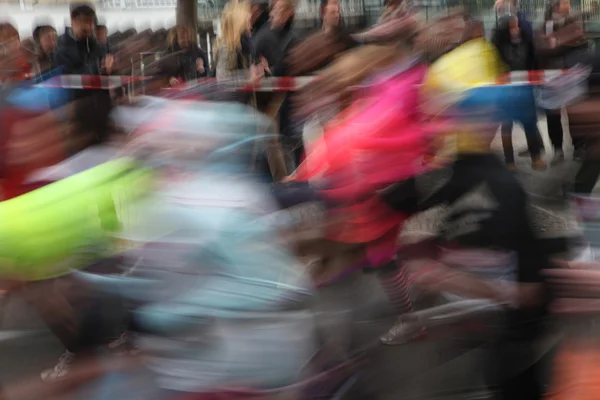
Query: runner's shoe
[(403, 332), (123, 345), (60, 370)]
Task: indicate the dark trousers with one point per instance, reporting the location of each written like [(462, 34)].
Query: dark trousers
[(99, 321), (589, 172), (555, 131), (532, 135), (587, 176), (99, 318)]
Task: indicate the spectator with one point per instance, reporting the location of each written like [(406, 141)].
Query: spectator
[(102, 37), (273, 42), (44, 36), (511, 7), (474, 29), (192, 61), (516, 49), (233, 46), (79, 53), (259, 15), (13, 63), (272, 46), (320, 48), (77, 50), (561, 45)]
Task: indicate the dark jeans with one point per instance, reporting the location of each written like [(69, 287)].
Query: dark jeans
[(589, 172), (99, 318), (555, 131), (99, 321), (587, 176), (532, 135)]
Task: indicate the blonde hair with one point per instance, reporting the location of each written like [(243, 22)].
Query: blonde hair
[(235, 21)]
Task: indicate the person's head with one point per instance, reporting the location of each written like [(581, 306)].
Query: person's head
[(183, 36), (392, 4), (235, 23), (9, 38), (513, 27), (102, 34), (83, 21), (257, 9), (281, 13), (330, 13), (557, 7), (45, 37), (474, 30)]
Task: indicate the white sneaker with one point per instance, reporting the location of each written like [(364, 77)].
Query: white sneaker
[(403, 332), (123, 345), (60, 370)]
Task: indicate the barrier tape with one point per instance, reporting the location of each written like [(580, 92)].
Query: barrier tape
[(274, 84)]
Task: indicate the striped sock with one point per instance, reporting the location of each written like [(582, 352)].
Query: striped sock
[(394, 280)]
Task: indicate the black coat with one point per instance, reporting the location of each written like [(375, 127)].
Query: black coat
[(185, 68), (518, 56), (274, 46), (79, 57)]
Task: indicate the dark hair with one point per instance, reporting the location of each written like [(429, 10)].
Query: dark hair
[(82, 10), (39, 30), (502, 34), (550, 6)]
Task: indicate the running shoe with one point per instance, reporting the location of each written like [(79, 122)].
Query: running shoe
[(403, 332), (123, 345), (60, 370)]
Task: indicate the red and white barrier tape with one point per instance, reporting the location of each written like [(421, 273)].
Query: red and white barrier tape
[(529, 77), (280, 84), (91, 81)]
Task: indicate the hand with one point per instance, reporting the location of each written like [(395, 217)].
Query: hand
[(552, 42), (109, 62), (265, 65), (173, 82), (200, 65), (256, 74)]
